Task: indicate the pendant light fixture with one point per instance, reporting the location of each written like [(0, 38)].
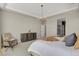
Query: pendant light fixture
[(43, 20)]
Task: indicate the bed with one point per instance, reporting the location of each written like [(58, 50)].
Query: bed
[(54, 48)]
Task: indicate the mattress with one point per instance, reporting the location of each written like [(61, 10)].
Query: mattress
[(54, 48)]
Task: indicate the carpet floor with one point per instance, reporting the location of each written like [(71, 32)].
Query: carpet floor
[(18, 50)]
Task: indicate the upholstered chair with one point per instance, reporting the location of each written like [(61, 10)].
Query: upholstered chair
[(9, 40)]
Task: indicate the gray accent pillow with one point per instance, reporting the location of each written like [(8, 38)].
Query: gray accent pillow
[(70, 39)]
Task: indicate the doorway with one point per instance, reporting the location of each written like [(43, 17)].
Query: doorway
[(61, 28)]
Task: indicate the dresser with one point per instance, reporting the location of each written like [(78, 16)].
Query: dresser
[(28, 36)]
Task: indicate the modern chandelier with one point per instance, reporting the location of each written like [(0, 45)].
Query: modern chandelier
[(43, 20)]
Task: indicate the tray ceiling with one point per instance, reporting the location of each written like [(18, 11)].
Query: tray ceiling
[(34, 9)]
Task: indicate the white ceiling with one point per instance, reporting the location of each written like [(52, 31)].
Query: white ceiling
[(34, 9), (1, 5)]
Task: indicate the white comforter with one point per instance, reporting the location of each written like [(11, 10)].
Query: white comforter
[(55, 48)]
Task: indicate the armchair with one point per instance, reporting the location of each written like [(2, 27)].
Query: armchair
[(8, 40)]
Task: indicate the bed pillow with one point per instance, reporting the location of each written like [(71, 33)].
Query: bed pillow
[(76, 46), (70, 39), (51, 38), (77, 34)]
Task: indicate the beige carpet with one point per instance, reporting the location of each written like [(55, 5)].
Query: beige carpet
[(18, 50)]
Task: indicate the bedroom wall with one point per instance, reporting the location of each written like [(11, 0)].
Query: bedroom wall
[(0, 28), (16, 24), (72, 22), (0, 21)]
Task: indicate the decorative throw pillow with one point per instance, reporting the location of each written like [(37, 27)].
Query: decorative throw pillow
[(76, 46), (51, 38), (77, 34), (70, 39)]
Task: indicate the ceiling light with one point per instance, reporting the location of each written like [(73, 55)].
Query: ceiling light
[(43, 18)]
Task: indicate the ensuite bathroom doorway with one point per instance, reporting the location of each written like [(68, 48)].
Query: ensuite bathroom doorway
[(61, 28)]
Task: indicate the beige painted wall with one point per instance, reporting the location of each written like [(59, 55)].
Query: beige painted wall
[(0, 21), (17, 23), (72, 22), (0, 27)]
